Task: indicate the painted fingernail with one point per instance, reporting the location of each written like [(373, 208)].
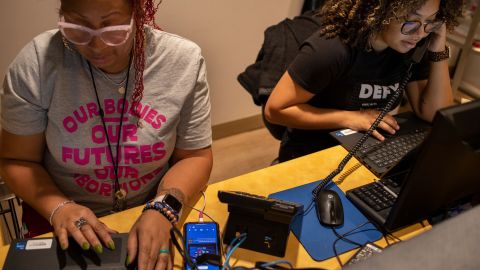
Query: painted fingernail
[(99, 249), (128, 260), (85, 246), (111, 245)]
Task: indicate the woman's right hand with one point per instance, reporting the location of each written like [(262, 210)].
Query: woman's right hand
[(65, 222), (363, 119)]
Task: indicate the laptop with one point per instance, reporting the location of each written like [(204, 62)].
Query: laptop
[(45, 253), (439, 174), (381, 157)]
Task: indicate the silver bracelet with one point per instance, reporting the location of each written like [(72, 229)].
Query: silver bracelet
[(58, 207)]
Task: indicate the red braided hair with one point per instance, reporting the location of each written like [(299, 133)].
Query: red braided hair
[(144, 12)]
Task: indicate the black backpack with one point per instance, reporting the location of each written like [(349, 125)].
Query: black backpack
[(281, 44)]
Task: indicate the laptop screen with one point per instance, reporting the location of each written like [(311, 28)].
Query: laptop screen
[(445, 169)]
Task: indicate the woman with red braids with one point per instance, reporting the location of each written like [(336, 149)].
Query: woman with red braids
[(104, 114)]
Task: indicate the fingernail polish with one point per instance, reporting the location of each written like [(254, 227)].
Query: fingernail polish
[(128, 260), (111, 245), (85, 246), (99, 249)]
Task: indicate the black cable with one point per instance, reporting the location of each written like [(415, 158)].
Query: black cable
[(385, 236), (341, 237), (373, 127), (394, 237), (338, 239), (348, 233), (174, 233), (345, 238)]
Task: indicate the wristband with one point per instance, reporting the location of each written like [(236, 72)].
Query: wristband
[(172, 203), (163, 209), (58, 207), (439, 56)]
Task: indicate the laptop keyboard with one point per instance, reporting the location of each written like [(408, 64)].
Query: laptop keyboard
[(378, 195), (390, 151)]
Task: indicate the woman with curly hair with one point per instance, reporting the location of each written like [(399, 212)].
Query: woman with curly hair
[(104, 114), (346, 72)]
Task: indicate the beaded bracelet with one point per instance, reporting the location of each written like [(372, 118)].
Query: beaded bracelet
[(58, 207), (163, 209)]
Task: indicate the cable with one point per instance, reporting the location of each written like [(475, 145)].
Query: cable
[(236, 242), (174, 233), (348, 233), (394, 237), (200, 214), (344, 238), (277, 262), (383, 112), (345, 174)]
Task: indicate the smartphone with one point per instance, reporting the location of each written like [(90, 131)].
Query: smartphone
[(201, 238)]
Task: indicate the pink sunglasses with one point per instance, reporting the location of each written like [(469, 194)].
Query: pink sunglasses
[(81, 35)]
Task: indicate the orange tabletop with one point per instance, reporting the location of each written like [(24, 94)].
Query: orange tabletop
[(272, 179)]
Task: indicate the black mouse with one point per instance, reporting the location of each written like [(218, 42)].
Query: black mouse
[(329, 208)]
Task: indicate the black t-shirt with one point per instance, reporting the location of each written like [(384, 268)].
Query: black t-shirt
[(348, 78)]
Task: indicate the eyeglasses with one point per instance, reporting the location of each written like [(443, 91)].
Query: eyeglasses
[(80, 35), (411, 27)]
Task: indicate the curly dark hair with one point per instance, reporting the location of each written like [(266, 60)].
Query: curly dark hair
[(355, 21)]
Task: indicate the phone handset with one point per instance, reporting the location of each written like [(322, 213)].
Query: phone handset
[(420, 50)]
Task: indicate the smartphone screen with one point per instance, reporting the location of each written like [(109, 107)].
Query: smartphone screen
[(201, 238)]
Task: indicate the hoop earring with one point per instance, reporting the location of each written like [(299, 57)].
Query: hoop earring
[(66, 44)]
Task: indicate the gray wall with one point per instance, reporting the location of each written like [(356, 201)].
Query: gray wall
[(229, 32)]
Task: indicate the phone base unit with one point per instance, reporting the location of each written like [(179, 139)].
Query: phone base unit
[(266, 221)]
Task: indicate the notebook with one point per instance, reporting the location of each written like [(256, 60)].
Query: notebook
[(381, 157), (45, 253)]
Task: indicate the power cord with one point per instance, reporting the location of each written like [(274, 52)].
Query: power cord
[(234, 244), (344, 238), (174, 234)]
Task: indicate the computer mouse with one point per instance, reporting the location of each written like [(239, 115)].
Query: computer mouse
[(329, 208)]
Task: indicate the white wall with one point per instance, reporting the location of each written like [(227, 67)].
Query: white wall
[(229, 32), (20, 21)]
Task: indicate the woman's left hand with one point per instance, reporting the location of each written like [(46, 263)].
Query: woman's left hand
[(149, 235), (439, 39)]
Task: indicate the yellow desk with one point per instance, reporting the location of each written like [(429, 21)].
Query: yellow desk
[(264, 182)]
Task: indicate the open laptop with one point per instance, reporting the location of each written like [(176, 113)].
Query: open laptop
[(379, 156), (442, 172), (45, 253)]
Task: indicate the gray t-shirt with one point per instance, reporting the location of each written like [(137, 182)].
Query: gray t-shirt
[(48, 88)]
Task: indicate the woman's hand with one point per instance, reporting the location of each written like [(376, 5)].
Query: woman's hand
[(82, 224), (438, 39), (363, 119), (149, 235)]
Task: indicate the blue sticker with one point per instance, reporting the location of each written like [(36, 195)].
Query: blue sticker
[(20, 245), (339, 134)]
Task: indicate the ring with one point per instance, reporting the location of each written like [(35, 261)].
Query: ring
[(166, 250), (80, 222)]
